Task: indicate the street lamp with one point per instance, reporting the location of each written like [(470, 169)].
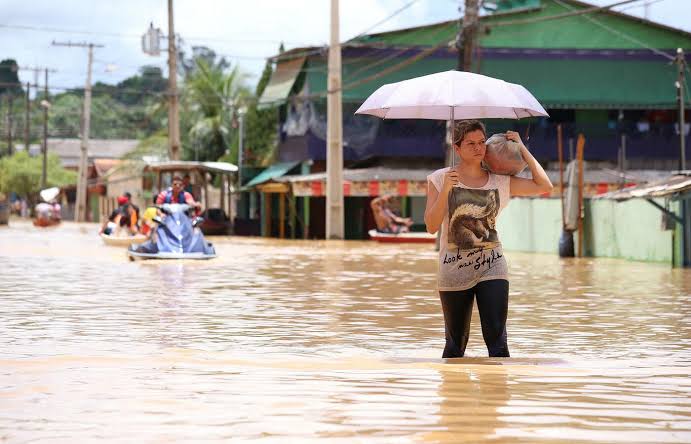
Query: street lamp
[(241, 138), (44, 169)]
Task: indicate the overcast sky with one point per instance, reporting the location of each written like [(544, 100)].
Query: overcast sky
[(245, 31)]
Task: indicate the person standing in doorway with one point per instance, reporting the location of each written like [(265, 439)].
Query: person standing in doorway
[(464, 202)]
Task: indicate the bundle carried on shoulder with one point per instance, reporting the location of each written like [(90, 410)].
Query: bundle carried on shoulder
[(503, 156)]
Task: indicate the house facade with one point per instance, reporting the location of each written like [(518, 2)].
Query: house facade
[(603, 74)]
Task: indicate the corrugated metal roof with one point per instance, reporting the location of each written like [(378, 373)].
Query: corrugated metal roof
[(281, 82), (181, 165), (382, 173), (667, 187), (274, 172), (365, 175)]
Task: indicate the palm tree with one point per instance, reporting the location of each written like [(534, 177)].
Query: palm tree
[(211, 98)]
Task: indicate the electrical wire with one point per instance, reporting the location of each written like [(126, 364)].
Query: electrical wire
[(136, 36), (389, 17), (574, 12), (620, 33)]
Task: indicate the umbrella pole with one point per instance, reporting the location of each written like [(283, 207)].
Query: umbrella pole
[(451, 145)]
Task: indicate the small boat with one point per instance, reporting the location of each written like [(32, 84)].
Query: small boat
[(45, 222), (122, 241), (414, 237)]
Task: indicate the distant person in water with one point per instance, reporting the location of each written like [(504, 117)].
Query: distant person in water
[(386, 220), (123, 217), (128, 195)]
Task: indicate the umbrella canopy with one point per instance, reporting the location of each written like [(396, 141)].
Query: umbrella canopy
[(452, 95), (49, 194)]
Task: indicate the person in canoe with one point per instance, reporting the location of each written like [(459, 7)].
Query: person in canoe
[(386, 220)]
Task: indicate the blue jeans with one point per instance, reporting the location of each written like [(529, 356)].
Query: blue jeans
[(492, 303)]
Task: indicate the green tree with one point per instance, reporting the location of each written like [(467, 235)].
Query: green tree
[(261, 128), (143, 88), (211, 96), (21, 174), (8, 76)]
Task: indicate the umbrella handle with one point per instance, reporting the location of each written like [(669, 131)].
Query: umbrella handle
[(453, 138), (527, 133)]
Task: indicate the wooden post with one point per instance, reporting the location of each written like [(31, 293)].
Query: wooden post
[(579, 156), (306, 218), (282, 215), (267, 211), (206, 192), (223, 192), (293, 215), (231, 213), (560, 152)]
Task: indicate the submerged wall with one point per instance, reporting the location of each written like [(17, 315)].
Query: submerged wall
[(631, 229)]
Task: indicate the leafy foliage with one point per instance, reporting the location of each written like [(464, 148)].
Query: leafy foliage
[(261, 132), (212, 91), (211, 96), (21, 174), (8, 74)]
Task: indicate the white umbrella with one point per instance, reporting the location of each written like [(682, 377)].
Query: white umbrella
[(49, 194), (452, 95)]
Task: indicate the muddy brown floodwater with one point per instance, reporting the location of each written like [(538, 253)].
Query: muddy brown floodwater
[(306, 341)]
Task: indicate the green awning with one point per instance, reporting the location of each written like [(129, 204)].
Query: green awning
[(272, 172), (281, 82)]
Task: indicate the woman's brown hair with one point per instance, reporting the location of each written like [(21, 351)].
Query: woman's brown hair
[(463, 127)]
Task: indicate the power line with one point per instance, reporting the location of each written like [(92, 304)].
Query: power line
[(650, 2), (573, 12), (620, 33), (136, 36), (389, 17)]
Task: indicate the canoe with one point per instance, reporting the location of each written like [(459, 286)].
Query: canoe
[(414, 237), (122, 241), (41, 222)]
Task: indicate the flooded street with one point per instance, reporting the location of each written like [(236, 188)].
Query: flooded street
[(295, 341)]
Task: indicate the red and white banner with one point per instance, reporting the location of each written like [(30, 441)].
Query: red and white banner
[(370, 188)]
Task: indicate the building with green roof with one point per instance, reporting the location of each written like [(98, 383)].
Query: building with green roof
[(602, 73)]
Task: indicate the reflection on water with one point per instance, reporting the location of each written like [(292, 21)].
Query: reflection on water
[(329, 342)]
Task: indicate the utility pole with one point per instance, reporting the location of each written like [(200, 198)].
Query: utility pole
[(27, 114), (173, 116), (681, 65), (44, 145), (10, 101), (334, 137), (241, 143), (45, 104), (80, 204), (465, 42)]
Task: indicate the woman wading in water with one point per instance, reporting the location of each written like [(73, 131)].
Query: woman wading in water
[(464, 202)]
